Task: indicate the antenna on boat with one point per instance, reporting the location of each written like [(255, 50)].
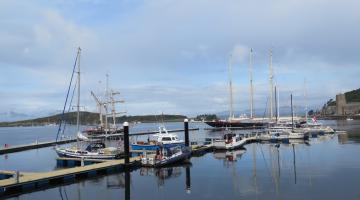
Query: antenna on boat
[(251, 86)]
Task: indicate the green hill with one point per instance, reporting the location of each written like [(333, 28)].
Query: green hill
[(89, 118), (353, 96)]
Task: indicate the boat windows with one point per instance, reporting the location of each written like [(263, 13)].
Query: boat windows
[(166, 139)]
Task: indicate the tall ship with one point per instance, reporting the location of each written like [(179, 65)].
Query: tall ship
[(241, 122)]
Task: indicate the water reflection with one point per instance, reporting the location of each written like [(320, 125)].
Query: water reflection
[(169, 172), (229, 156)]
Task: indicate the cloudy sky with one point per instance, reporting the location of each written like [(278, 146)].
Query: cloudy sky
[(171, 56)]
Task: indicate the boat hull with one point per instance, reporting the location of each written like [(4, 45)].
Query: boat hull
[(223, 145), (183, 156), (223, 124), (64, 153), (154, 147)]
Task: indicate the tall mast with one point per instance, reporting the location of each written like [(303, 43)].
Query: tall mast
[(231, 114), (78, 99), (278, 104), (251, 86), (106, 100), (306, 106), (292, 113), (271, 85)]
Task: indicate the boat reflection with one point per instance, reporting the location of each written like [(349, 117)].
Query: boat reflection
[(229, 156), (165, 173)]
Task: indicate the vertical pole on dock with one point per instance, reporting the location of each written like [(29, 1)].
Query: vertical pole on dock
[(17, 176), (186, 129), (126, 142)]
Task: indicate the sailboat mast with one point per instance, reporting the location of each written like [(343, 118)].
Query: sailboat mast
[(78, 93), (107, 100), (306, 106), (251, 86), (292, 112), (276, 106), (231, 114), (271, 85)]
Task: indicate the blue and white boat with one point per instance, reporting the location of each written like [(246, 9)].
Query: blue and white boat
[(161, 139), (165, 156)]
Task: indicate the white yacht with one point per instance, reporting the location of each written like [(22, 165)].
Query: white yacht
[(229, 141)]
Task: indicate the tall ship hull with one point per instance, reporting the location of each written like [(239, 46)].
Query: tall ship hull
[(236, 124)]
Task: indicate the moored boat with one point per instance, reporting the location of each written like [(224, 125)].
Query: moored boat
[(236, 123), (161, 139), (92, 151), (165, 156), (229, 141)]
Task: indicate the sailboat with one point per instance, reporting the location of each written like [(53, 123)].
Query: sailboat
[(295, 133), (105, 128), (241, 122), (94, 150)]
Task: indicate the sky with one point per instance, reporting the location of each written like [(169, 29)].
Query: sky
[(172, 56)]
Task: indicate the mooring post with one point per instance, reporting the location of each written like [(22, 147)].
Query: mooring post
[(186, 129), (17, 176), (126, 143)]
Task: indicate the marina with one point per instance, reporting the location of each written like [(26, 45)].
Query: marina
[(22, 182), (179, 100)]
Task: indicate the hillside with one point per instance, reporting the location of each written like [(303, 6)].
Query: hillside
[(89, 118), (353, 96)]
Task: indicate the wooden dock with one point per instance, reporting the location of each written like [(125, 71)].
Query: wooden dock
[(18, 148), (11, 181)]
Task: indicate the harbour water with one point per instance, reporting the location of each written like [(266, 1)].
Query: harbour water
[(326, 167)]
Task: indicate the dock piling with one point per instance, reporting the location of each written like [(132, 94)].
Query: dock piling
[(126, 142), (186, 130), (188, 180)]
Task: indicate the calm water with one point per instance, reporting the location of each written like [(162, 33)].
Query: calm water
[(327, 167)]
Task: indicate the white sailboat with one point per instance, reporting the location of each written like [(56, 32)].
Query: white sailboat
[(96, 150), (295, 133)]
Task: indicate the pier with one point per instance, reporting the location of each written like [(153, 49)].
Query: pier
[(12, 181), (36, 145)]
